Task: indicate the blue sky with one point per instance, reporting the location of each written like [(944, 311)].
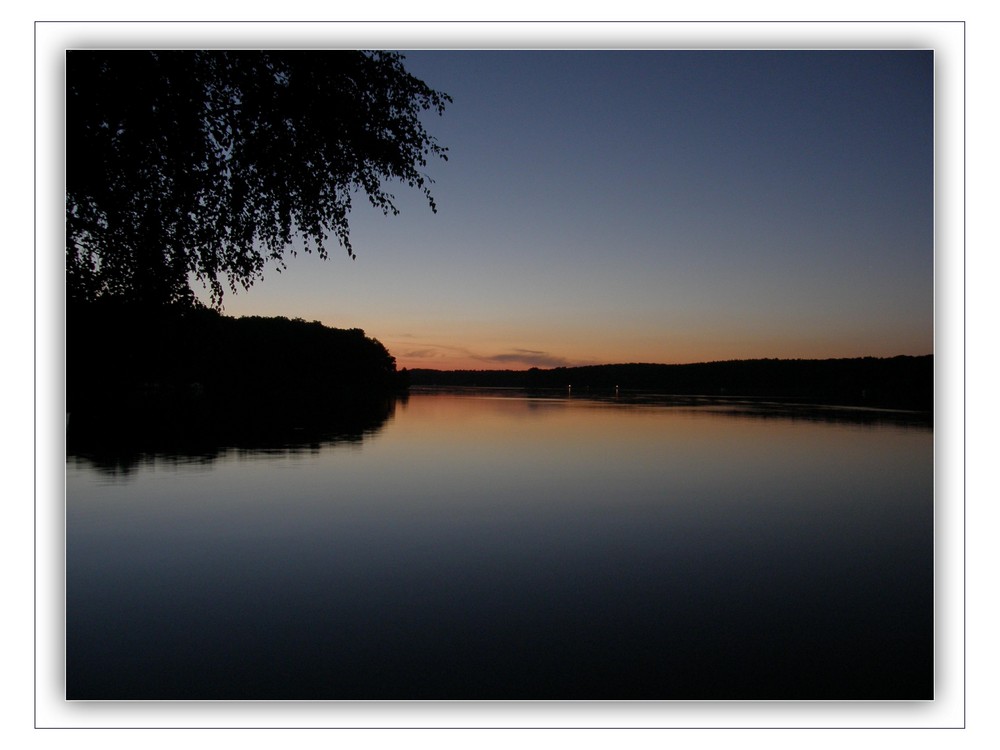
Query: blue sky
[(654, 206)]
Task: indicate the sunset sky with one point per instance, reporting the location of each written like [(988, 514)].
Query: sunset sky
[(647, 206)]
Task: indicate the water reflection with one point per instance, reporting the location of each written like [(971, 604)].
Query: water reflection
[(754, 408), (119, 448), (484, 547)]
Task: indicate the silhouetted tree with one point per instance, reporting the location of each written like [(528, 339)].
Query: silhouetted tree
[(203, 165), (193, 375)]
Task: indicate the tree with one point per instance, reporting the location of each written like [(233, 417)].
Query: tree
[(203, 165)]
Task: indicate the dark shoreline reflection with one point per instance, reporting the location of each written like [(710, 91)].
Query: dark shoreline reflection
[(117, 444), (751, 408)]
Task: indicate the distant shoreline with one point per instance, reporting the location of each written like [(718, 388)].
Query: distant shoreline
[(902, 382)]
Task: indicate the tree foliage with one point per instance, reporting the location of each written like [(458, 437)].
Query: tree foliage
[(191, 378), (902, 382), (204, 165)]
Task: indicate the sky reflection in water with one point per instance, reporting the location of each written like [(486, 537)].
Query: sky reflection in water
[(513, 548)]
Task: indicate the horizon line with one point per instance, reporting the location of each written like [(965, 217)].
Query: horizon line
[(671, 364)]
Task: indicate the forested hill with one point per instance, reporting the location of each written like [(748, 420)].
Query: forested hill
[(193, 371), (898, 382)]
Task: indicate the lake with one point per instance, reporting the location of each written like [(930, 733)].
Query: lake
[(504, 546)]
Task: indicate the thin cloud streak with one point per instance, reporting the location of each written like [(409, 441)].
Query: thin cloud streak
[(445, 356), (529, 357)]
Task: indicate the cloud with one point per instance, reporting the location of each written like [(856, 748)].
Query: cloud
[(422, 353), (529, 357), (514, 358), (431, 350)]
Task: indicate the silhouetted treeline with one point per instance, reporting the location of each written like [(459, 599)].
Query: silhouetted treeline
[(174, 375), (898, 382)]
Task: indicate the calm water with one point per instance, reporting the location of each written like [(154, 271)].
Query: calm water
[(485, 547)]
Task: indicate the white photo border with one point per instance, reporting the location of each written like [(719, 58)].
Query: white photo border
[(947, 39)]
